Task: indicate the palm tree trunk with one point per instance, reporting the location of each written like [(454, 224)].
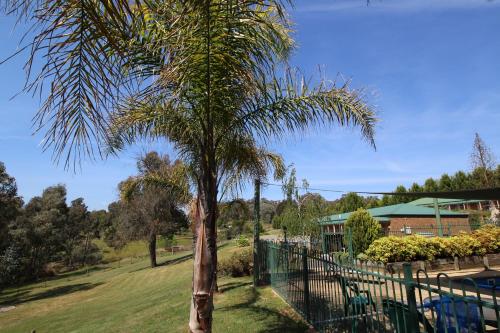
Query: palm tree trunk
[(205, 258), (152, 249)]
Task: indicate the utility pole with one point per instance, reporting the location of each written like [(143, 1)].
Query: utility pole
[(256, 233)]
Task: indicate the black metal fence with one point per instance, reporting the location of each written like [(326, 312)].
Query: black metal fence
[(336, 296)]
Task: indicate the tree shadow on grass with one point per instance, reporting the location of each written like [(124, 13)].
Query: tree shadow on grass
[(178, 260), (278, 321), (79, 272), (23, 297), (24, 288), (167, 262), (233, 285)]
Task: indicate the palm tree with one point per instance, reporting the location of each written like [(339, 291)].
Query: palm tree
[(211, 76)]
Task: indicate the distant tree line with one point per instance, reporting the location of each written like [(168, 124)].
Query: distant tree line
[(43, 231), (461, 180)]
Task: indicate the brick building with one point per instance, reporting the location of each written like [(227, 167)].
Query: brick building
[(458, 204), (405, 219)]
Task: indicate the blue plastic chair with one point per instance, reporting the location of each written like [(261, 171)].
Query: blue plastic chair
[(456, 314)]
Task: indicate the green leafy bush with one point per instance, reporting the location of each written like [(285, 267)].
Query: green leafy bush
[(364, 229), (239, 264), (12, 265), (392, 249), (489, 237), (242, 241), (340, 257), (87, 255), (460, 246)]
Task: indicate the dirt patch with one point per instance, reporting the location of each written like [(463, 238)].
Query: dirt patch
[(6, 308)]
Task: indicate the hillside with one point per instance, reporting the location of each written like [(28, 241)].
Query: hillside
[(131, 297)]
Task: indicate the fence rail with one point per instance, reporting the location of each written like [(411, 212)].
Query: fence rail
[(337, 296)]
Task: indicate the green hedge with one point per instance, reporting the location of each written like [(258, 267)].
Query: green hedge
[(393, 249), (239, 264)]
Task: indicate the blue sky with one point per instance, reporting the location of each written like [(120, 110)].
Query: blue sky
[(431, 69)]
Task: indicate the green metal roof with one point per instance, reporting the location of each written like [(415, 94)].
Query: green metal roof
[(384, 213), (327, 220), (441, 201)]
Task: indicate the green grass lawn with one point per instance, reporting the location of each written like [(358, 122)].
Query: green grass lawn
[(128, 296), (137, 249)]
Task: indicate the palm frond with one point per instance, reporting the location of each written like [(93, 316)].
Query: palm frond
[(84, 48), (240, 159), (287, 104)]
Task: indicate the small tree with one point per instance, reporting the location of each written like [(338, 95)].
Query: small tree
[(431, 185), (300, 213), (349, 203), (482, 158), (10, 205), (397, 199), (363, 228), (71, 232), (154, 200), (12, 265), (233, 216)]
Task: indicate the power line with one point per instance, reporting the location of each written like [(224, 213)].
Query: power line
[(312, 189), (477, 194)]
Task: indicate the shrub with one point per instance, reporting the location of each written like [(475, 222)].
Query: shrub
[(463, 245), (363, 257), (170, 240), (239, 264), (90, 255), (12, 265), (242, 241), (475, 219), (340, 257), (489, 237), (393, 249), (364, 230)]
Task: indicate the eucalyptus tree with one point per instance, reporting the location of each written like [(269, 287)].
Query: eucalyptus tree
[(233, 215), (154, 200), (211, 76), (72, 228), (10, 204)]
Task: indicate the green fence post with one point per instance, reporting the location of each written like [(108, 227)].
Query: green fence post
[(305, 273), (256, 233), (411, 299), (438, 218), (323, 247), (323, 244)]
